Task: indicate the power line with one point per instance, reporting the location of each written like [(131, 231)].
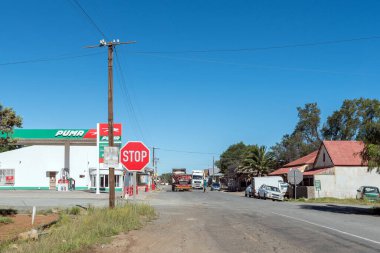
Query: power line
[(308, 44), (84, 12), (254, 65), (184, 151), (56, 58), (127, 95)]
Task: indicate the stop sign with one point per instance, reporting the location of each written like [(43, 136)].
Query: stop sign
[(134, 156)]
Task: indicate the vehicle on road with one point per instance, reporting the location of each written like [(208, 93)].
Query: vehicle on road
[(215, 187), (180, 180), (369, 193), (248, 191), (270, 192), (257, 182), (197, 179)]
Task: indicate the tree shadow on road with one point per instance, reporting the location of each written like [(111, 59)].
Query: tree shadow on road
[(375, 211)]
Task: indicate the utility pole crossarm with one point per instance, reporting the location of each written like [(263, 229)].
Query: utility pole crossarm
[(103, 43)]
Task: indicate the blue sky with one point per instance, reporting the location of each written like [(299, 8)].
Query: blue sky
[(188, 101)]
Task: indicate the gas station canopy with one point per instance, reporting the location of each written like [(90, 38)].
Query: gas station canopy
[(75, 137)]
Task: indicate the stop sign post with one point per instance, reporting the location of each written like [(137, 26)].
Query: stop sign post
[(134, 156), (295, 177)]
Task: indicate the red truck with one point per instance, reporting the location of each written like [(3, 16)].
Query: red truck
[(180, 180)]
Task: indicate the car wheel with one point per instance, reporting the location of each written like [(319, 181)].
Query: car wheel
[(245, 194), (258, 196), (272, 199), (265, 197)]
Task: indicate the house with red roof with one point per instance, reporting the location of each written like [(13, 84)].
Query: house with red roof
[(336, 169), (340, 170)]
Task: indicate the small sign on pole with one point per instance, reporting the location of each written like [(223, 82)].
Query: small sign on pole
[(318, 186), (111, 157)]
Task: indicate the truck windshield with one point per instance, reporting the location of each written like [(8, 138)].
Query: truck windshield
[(197, 177)]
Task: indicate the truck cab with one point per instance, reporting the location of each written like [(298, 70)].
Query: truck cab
[(197, 179)]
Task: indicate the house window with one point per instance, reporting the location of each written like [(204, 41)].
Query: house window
[(117, 178), (324, 157), (7, 176)]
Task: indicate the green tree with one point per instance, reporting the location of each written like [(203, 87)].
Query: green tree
[(304, 139), (8, 121), (371, 152), (166, 178), (257, 161), (231, 157), (352, 120)]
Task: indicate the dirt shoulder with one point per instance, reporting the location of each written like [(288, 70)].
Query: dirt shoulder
[(22, 223)]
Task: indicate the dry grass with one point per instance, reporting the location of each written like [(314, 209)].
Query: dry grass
[(94, 226)]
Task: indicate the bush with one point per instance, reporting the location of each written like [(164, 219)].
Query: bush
[(5, 220)]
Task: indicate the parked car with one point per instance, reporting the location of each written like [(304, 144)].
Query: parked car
[(368, 192), (215, 187), (259, 181), (270, 192), (248, 191)]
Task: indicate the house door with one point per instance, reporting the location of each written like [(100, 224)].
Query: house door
[(52, 180)]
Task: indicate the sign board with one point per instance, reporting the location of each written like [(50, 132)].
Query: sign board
[(111, 157), (71, 134), (103, 138), (134, 156), (295, 176), (317, 184), (9, 179)]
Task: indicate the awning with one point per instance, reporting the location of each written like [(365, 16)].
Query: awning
[(313, 172)]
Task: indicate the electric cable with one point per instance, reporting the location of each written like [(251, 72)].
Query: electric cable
[(307, 44), (84, 12), (54, 58), (127, 95)]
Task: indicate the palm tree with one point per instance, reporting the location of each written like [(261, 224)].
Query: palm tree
[(256, 162)]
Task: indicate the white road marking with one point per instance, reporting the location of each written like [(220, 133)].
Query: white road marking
[(333, 229)]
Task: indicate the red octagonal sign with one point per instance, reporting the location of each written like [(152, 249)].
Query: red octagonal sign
[(134, 156)]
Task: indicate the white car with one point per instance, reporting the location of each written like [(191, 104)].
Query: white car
[(248, 191), (270, 192)]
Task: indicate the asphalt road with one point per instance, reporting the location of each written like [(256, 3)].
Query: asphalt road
[(229, 222)]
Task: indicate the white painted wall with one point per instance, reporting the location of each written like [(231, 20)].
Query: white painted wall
[(319, 163), (31, 164), (346, 181)]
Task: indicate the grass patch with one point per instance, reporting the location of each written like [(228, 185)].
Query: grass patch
[(73, 211), (339, 201), (87, 228), (5, 220)]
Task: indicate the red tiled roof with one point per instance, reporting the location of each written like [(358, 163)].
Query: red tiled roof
[(345, 153), (307, 159), (279, 172), (313, 172)]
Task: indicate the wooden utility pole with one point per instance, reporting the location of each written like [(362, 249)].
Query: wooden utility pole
[(111, 174)]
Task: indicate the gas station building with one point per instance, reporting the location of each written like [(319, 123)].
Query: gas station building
[(51, 157)]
